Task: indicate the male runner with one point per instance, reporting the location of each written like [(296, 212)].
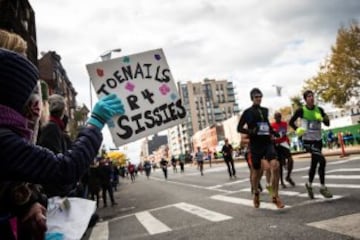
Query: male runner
[(312, 116), (282, 148), (261, 146)]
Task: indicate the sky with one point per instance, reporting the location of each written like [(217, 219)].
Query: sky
[(250, 42)]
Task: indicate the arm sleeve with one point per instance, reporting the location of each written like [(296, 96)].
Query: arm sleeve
[(297, 114), (23, 161), (326, 120), (242, 122)]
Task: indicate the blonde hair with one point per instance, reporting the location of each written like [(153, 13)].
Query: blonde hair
[(13, 42)]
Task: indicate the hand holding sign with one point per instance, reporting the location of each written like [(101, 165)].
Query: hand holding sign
[(105, 109)]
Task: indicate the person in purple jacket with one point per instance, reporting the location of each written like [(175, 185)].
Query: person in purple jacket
[(22, 161)]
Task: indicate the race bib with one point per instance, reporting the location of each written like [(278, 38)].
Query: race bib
[(314, 125), (264, 128)]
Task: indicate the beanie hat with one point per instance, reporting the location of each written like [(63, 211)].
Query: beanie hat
[(306, 93), (56, 105), (18, 78), (255, 91)]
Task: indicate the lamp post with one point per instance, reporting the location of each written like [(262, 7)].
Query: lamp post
[(104, 56)]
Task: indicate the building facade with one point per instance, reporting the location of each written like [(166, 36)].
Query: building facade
[(207, 103), (18, 16), (53, 73)]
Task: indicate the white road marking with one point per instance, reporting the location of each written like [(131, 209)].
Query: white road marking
[(338, 162), (151, 224), (245, 202), (202, 212), (346, 225), (329, 176), (333, 185), (100, 231), (228, 184), (344, 170), (194, 186)]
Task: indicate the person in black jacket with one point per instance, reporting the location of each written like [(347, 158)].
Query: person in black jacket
[(227, 151), (105, 173), (23, 161), (262, 149), (52, 137)]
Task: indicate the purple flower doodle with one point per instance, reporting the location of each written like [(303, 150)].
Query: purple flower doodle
[(130, 87), (157, 57), (164, 89)]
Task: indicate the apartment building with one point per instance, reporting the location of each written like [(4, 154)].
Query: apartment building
[(207, 103), (18, 16)]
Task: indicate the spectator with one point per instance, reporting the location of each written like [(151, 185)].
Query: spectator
[(330, 139), (94, 183), (106, 181), (18, 79)]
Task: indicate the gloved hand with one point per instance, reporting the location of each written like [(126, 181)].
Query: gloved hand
[(300, 131), (318, 117), (105, 109), (253, 131)]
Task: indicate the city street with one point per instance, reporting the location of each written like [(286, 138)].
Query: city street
[(190, 206)]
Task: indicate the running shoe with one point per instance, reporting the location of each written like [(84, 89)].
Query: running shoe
[(326, 193), (289, 180), (257, 200), (283, 185), (269, 189), (278, 202), (309, 190)]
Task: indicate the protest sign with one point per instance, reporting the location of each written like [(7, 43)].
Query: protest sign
[(147, 89)]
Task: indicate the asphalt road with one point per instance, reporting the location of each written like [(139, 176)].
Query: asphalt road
[(190, 206)]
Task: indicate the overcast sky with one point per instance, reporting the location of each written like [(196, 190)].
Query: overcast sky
[(251, 42)]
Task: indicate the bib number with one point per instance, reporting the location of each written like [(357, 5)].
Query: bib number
[(263, 128)]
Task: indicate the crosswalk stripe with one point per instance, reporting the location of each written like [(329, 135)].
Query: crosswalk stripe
[(245, 202), (333, 185), (294, 194), (352, 177), (202, 212), (151, 224), (346, 225), (330, 176), (344, 170), (100, 231)]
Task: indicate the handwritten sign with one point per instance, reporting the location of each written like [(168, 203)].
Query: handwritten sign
[(145, 85)]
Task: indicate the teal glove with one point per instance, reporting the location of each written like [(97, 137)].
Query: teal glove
[(105, 109), (318, 117), (300, 131)]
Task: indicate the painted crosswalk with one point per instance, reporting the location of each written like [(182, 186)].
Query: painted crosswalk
[(153, 222), (153, 225), (346, 225)]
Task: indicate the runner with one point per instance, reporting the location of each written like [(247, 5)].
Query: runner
[(261, 146), (173, 163), (147, 167), (199, 156), (227, 151), (312, 116), (131, 170), (282, 147), (164, 165)]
